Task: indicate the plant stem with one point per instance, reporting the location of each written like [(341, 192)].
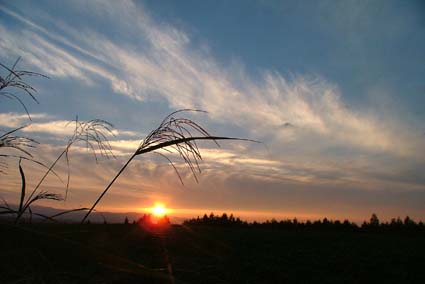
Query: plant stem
[(28, 202), (153, 148), (47, 172), (23, 186), (107, 188)]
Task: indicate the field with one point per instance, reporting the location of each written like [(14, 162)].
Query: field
[(108, 253)]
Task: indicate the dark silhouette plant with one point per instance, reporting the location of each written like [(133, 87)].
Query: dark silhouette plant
[(174, 134), (15, 79), (12, 85), (93, 133)]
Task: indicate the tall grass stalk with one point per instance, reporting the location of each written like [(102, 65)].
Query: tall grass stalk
[(94, 134), (173, 134)]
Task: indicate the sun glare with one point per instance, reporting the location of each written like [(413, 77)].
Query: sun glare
[(158, 210)]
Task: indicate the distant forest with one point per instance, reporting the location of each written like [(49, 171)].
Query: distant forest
[(374, 224)]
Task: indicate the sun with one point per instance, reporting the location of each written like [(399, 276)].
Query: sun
[(159, 210)]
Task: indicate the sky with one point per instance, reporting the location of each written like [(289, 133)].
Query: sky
[(333, 90)]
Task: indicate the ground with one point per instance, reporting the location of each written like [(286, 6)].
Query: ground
[(100, 253)]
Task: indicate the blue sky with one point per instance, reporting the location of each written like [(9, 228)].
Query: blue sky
[(334, 89), (360, 45)]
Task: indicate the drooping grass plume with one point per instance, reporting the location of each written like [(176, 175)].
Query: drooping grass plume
[(94, 135), (11, 141), (173, 135), (15, 80)]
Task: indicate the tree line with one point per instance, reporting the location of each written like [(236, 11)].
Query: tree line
[(374, 224)]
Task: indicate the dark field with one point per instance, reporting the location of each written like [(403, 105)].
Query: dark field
[(201, 254)]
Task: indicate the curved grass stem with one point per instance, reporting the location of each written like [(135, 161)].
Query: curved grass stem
[(107, 188)]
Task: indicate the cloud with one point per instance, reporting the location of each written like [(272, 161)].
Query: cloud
[(167, 67), (14, 120), (42, 123), (314, 138)]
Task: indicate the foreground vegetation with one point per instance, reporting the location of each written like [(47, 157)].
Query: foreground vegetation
[(130, 253), (212, 249), (175, 134)]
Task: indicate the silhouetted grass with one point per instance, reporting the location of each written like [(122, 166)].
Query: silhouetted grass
[(92, 133), (15, 80), (174, 134)]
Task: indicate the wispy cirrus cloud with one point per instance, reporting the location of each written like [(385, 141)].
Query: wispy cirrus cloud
[(168, 67), (18, 119), (45, 123)]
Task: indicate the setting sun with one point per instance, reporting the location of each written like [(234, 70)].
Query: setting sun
[(159, 210)]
